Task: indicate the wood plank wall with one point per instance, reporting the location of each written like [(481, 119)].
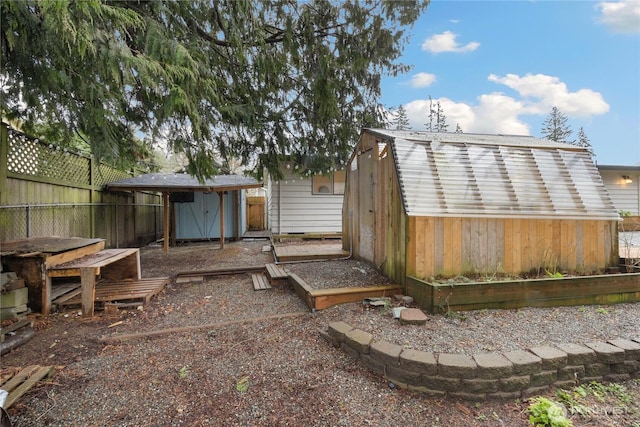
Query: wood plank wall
[(454, 246)]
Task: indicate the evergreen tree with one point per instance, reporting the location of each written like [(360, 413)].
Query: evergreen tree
[(431, 123), (555, 127), (583, 141), (458, 128), (437, 121), (253, 80), (401, 121), (441, 119)]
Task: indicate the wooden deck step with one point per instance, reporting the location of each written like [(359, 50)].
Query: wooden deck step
[(133, 292), (276, 273), (260, 282)]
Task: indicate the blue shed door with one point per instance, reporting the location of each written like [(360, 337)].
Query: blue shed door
[(201, 218)]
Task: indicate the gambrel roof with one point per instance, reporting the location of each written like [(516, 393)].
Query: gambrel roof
[(460, 174)]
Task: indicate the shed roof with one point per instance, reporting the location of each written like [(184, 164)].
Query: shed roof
[(182, 182), (459, 174)]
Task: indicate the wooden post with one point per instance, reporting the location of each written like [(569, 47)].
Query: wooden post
[(92, 198), (4, 156), (236, 210), (88, 289), (165, 202), (221, 197)]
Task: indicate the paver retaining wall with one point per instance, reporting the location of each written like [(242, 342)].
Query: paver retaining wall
[(508, 375)]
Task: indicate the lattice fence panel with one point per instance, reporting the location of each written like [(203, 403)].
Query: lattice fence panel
[(30, 156), (106, 174)]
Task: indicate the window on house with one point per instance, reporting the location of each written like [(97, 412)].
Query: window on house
[(329, 184)]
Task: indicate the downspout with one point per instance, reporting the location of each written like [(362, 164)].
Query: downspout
[(279, 208)]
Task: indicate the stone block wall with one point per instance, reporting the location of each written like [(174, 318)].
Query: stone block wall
[(508, 375)]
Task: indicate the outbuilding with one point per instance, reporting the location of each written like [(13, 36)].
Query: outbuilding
[(193, 209), (427, 205)]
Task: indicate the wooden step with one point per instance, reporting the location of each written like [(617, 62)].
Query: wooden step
[(276, 273), (260, 282)]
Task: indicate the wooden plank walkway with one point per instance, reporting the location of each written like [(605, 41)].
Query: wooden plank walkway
[(310, 252), (319, 299)]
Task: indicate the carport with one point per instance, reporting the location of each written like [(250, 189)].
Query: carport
[(177, 184)]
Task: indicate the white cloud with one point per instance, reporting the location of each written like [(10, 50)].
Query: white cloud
[(497, 112), (422, 80), (620, 16), (446, 42), (545, 92)]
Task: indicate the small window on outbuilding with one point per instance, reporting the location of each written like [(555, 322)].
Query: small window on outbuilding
[(329, 184)]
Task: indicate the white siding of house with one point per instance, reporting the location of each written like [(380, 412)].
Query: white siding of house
[(293, 209), (625, 196)]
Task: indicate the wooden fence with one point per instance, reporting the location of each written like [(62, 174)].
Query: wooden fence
[(46, 190)]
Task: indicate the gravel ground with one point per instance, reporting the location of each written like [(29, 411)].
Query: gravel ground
[(214, 355)]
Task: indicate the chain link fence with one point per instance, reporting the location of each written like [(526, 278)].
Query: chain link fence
[(121, 225)]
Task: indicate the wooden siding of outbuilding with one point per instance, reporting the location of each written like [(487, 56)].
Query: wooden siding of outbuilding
[(372, 188), (454, 246), (426, 247)]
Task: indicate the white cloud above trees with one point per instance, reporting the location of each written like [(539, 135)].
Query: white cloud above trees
[(620, 16), (422, 80), (497, 112), (544, 92), (446, 42)]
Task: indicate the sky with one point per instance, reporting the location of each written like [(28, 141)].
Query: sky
[(499, 67)]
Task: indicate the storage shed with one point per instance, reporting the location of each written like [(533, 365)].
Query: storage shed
[(199, 210), (425, 205)]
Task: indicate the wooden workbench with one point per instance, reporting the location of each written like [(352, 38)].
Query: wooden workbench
[(31, 258), (110, 264)]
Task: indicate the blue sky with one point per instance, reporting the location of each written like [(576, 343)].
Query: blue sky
[(501, 66)]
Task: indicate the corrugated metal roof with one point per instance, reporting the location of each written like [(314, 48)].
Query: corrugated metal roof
[(448, 174), (177, 182)]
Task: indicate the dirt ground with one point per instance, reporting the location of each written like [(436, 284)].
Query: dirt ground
[(218, 353)]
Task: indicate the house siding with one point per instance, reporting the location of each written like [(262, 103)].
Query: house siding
[(625, 196), (294, 209)]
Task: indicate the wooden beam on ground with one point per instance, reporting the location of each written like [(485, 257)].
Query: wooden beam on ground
[(219, 272), (325, 298), (119, 338)]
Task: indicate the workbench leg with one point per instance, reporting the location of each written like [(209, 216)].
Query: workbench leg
[(88, 280), (45, 302)]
